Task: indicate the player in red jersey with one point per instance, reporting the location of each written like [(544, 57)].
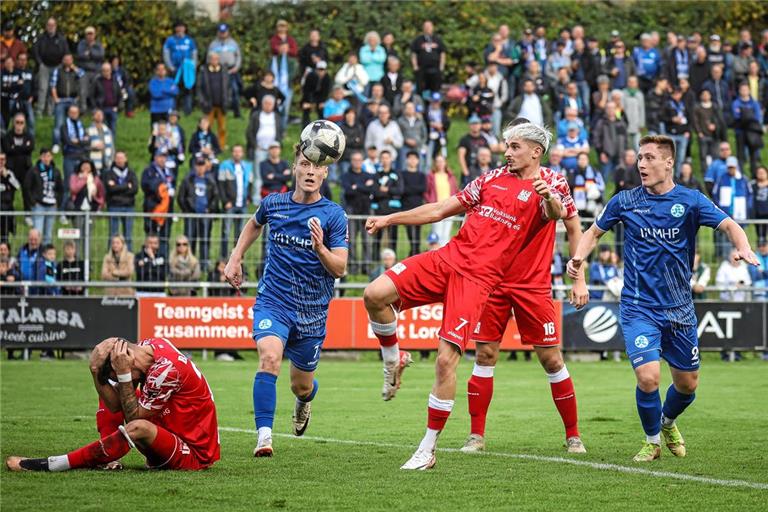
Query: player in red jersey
[(527, 290), (172, 422), (508, 206)]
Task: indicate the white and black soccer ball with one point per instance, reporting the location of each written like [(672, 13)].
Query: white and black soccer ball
[(322, 142)]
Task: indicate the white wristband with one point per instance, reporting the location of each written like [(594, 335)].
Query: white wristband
[(124, 377)]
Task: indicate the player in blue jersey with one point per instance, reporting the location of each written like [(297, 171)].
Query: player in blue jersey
[(306, 252), (660, 220)]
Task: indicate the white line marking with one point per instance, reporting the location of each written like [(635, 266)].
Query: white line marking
[(538, 458)]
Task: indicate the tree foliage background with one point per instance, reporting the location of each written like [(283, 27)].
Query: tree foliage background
[(136, 30)]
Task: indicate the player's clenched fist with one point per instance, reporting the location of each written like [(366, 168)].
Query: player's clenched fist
[(541, 187), (374, 224), (574, 264), (233, 273)]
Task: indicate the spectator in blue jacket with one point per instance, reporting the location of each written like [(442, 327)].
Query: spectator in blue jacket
[(373, 56), (29, 254), (234, 180), (162, 95), (647, 62), (732, 193), (601, 272), (47, 269), (717, 168), (748, 122), (180, 56)]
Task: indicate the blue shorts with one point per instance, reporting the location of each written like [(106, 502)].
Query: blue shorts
[(668, 333), (272, 320)]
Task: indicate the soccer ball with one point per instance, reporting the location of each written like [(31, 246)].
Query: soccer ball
[(322, 142)]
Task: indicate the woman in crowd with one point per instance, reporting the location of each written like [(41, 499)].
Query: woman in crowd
[(184, 267), (117, 266)]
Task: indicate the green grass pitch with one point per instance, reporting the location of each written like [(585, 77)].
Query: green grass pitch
[(355, 444)]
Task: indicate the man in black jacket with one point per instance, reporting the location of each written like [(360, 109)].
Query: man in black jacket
[(159, 186), (414, 186), (357, 188), (198, 194), (213, 94), (18, 145), (316, 89), (151, 266), (48, 50), (106, 95), (121, 185), (46, 189), (387, 198)]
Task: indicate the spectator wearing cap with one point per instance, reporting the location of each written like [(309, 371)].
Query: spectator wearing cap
[(316, 88), (281, 36), (10, 45), (601, 272), (610, 139), (438, 124), (531, 106), (468, 148), (312, 52), (715, 51), (414, 132), (283, 68), (180, 57), (428, 59), (392, 81), (619, 67), (65, 90), (264, 128), (106, 92), (162, 94), (121, 186), (213, 94), (231, 60), (748, 124), (573, 144), (357, 187), (159, 186), (90, 56), (414, 188), (384, 133), (199, 194), (336, 105), (234, 179), (353, 77), (741, 62), (677, 124), (733, 195), (373, 56), (48, 51), (648, 62)]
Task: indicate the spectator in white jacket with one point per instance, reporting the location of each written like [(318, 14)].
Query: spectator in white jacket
[(734, 273), (384, 133), (353, 77), (633, 102)]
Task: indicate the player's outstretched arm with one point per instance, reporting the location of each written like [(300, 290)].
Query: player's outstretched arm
[(579, 295), (586, 245), (424, 214), (233, 272), (739, 239)]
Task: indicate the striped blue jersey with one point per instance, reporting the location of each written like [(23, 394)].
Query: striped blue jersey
[(659, 242), (294, 278)]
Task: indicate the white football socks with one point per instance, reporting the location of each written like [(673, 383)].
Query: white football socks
[(265, 433), (429, 443), (655, 439), (58, 463)]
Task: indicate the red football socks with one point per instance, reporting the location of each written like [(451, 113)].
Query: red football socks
[(100, 452)]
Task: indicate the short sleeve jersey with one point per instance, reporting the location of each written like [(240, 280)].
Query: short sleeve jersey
[(182, 400), (504, 214), (659, 242), (294, 278)]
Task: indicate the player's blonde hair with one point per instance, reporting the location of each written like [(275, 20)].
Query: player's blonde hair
[(528, 131)]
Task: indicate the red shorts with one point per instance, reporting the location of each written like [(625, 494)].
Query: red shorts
[(427, 279), (169, 451), (534, 313)]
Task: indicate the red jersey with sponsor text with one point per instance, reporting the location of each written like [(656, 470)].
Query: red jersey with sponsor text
[(504, 214), (179, 394), (534, 268)]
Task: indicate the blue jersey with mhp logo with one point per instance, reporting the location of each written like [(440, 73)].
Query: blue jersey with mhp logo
[(295, 281), (659, 243)]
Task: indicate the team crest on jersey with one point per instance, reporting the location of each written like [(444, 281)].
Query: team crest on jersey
[(398, 268), (309, 222), (524, 195), (641, 341), (265, 324), (677, 210)]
